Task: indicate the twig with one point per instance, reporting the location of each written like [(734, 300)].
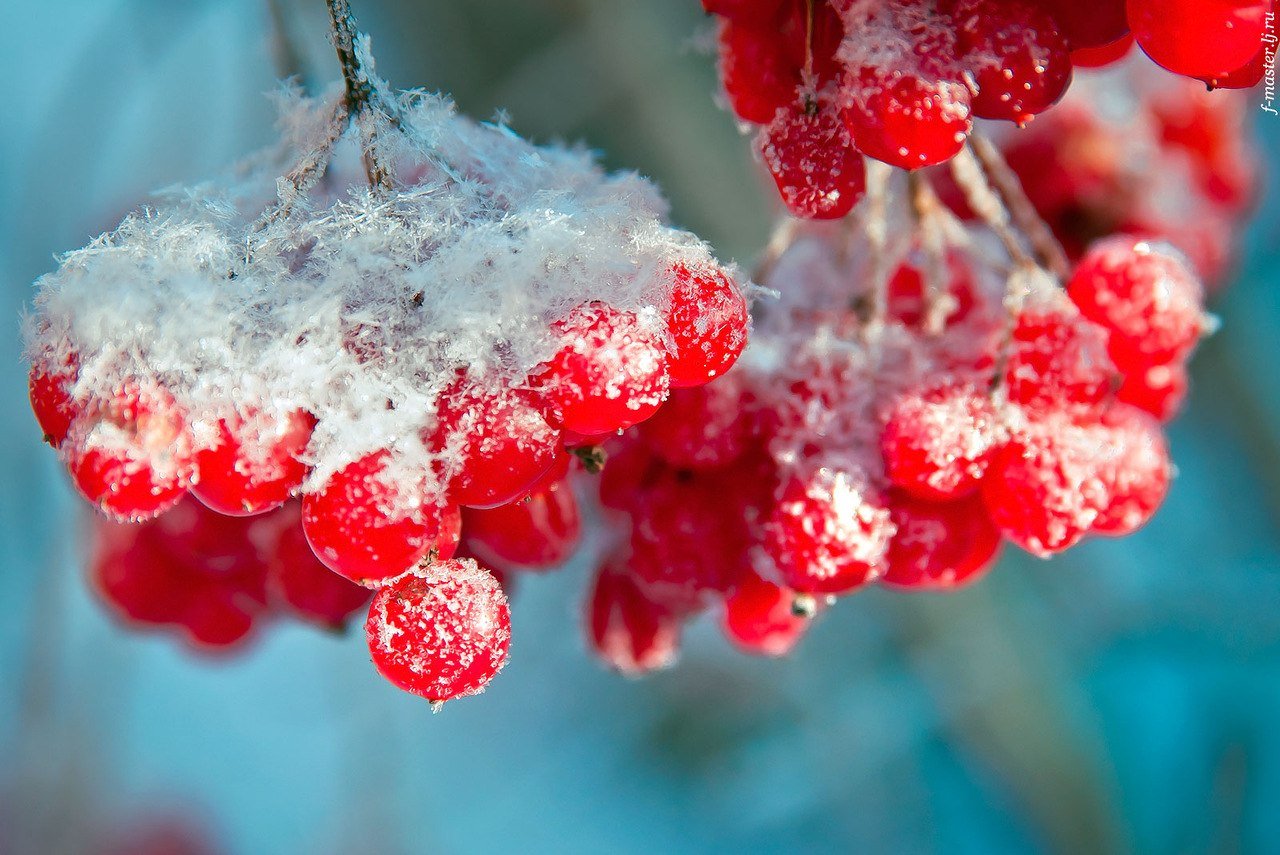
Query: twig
[(1025, 216), (361, 97), (927, 210), (877, 229), (978, 192), (784, 234)]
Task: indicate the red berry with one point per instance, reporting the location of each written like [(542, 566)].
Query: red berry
[(1057, 358), (937, 443), (628, 631), (700, 428), (362, 526), (1103, 55), (761, 618), (536, 532), (504, 444), (131, 455), (1137, 471), (1019, 61), (909, 297), (305, 586), (707, 321), (908, 117), (758, 77), (811, 157), (49, 385), (1159, 390), (752, 11), (442, 635), (1199, 38), (939, 545), (828, 534), (255, 466), (610, 372), (1148, 300), (1088, 25), (1044, 489)]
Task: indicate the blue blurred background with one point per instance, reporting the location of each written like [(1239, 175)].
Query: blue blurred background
[(1125, 697)]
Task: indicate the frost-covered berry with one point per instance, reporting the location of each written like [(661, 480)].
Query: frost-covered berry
[(758, 77), (1159, 390), (256, 464), (502, 443), (627, 630), (1044, 489), (762, 618), (304, 586), (131, 454), (610, 372), (535, 532), (361, 526), (1057, 358), (828, 533), (1018, 59), (1149, 301), (939, 545), (809, 153), (707, 323), (1136, 472), (937, 442), (441, 635)]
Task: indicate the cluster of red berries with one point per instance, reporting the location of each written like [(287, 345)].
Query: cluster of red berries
[(438, 627), (861, 453), (902, 80)]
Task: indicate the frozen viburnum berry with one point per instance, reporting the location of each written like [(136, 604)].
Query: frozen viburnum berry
[(1159, 390), (1057, 358), (359, 527), (757, 75), (256, 464), (610, 372), (1137, 470), (763, 618), (828, 533), (937, 442), (536, 532), (628, 631), (1044, 489), (299, 582), (809, 153), (49, 386), (1019, 61), (1147, 299), (502, 441), (700, 428), (1199, 38), (131, 453), (443, 634), (939, 545), (707, 321)]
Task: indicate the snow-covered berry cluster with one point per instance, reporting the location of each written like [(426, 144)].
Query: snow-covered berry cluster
[(898, 445), (902, 81), (391, 352)]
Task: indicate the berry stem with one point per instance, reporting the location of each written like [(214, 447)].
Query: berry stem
[(361, 99), (784, 234), (876, 226), (987, 204), (1025, 216), (925, 207)]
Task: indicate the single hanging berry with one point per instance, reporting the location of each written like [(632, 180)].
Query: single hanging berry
[(939, 545), (812, 159), (628, 631), (442, 635), (763, 618), (256, 464), (707, 321)]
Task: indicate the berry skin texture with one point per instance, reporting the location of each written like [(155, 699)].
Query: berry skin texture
[(937, 444), (1137, 471), (761, 618), (609, 374), (131, 455), (536, 532), (255, 467), (707, 320), (827, 535), (306, 588), (505, 444), (1159, 390), (1088, 25), (1020, 63), (1148, 300), (1204, 39), (629, 632), (49, 388), (442, 635), (758, 78), (939, 545), (1044, 490), (700, 428), (354, 532), (820, 175)]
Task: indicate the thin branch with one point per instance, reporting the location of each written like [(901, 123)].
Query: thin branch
[(361, 97), (1025, 216), (986, 203), (877, 230), (927, 210)]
